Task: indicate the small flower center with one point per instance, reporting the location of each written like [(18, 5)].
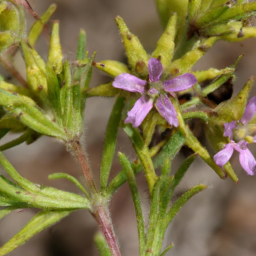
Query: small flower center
[(157, 85)]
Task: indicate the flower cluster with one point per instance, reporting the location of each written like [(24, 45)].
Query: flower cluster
[(151, 90), (246, 158)]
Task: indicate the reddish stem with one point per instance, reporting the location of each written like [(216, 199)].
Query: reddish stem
[(104, 222), (13, 71), (83, 162), (100, 212)]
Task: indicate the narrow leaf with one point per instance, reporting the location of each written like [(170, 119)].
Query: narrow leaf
[(103, 90), (55, 176), (182, 170), (136, 54), (15, 142), (53, 91), (110, 142), (165, 45), (55, 56), (102, 245), (112, 67), (136, 200), (38, 26), (143, 155), (167, 249), (80, 55), (171, 148), (180, 202), (38, 223)]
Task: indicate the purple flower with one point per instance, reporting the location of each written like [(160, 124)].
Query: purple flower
[(246, 158), (155, 89)]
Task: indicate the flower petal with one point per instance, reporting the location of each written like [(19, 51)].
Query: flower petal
[(139, 111), (155, 69), (223, 156), (129, 83), (250, 111), (167, 110), (180, 83), (228, 127), (247, 161)]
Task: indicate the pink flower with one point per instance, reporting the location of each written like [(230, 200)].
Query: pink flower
[(156, 89), (246, 158)]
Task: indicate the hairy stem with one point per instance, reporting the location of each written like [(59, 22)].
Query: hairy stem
[(103, 219), (77, 150), (100, 211)]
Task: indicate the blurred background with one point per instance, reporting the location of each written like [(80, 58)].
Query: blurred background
[(221, 221)]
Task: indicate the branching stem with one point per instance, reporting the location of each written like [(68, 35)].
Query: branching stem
[(100, 210)]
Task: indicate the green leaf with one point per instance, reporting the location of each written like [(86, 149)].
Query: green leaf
[(149, 124), (171, 148), (211, 73), (7, 38), (103, 90), (3, 132), (55, 176), (40, 196), (102, 245), (110, 142), (35, 120), (80, 55), (211, 15), (29, 115), (55, 56), (186, 62), (143, 155), (38, 223), (66, 97), (196, 114), (87, 74), (112, 67), (238, 12), (136, 54), (15, 142), (154, 213), (38, 26), (53, 91), (194, 9), (36, 78), (6, 211), (136, 200), (180, 202), (216, 84), (165, 45), (41, 199), (121, 178), (15, 89), (194, 144), (182, 171), (167, 249), (8, 121)]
